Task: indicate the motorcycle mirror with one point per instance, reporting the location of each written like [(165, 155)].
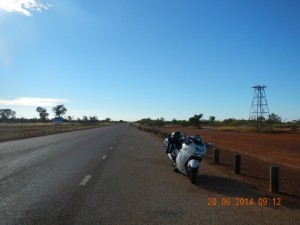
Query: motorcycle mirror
[(209, 145)]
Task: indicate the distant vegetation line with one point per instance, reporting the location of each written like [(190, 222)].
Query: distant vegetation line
[(272, 123), (9, 116)]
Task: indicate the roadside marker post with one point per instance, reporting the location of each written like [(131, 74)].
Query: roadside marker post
[(216, 156), (237, 164), (274, 179)]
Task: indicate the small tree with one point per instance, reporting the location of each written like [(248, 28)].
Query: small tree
[(6, 114), (94, 119), (42, 113), (212, 119), (70, 118), (274, 119), (59, 110), (195, 120), (85, 119)]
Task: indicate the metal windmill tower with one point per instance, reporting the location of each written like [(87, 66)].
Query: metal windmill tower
[(259, 109)]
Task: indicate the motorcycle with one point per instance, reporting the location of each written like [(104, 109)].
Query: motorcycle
[(186, 154)]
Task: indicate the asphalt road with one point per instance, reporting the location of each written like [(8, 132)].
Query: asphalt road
[(118, 175)]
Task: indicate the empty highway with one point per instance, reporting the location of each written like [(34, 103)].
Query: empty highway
[(117, 175)]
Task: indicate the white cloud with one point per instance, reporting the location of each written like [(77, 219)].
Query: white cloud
[(23, 6), (33, 101)]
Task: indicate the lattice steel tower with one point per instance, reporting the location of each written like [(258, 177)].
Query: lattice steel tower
[(259, 109)]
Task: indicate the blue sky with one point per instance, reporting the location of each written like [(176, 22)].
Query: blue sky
[(134, 59)]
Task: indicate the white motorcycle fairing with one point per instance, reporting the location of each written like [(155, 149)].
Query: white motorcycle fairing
[(189, 156)]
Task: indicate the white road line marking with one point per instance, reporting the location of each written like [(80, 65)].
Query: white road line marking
[(116, 142), (85, 180), (111, 147), (104, 157)]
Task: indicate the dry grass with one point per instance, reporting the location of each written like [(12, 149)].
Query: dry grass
[(26, 130), (237, 129)]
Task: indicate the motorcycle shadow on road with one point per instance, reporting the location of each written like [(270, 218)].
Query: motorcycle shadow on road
[(226, 186)]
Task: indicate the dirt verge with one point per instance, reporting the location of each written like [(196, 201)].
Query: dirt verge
[(258, 152)]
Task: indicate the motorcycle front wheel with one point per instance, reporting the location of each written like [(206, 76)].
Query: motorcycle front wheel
[(193, 175)]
